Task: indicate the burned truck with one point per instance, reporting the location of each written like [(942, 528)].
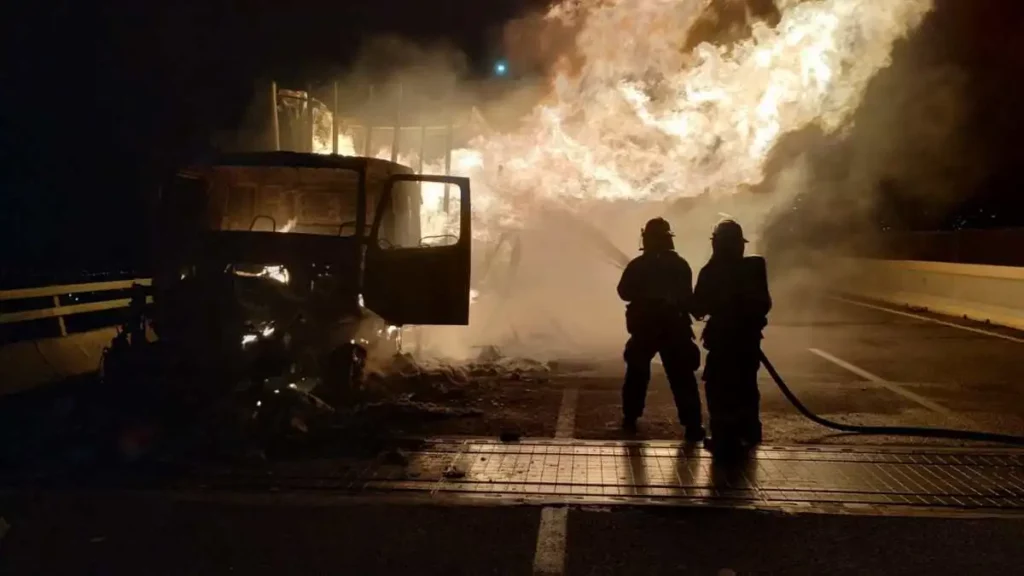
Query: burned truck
[(297, 266)]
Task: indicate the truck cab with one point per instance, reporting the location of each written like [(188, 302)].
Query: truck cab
[(346, 229)]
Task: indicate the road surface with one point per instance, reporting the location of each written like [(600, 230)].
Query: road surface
[(114, 535), (847, 361), (853, 362)]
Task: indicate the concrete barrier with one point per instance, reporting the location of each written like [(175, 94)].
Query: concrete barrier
[(26, 365), (979, 292)]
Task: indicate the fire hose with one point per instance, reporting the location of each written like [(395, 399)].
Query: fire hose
[(620, 260), (921, 432)]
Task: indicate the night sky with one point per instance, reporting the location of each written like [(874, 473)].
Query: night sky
[(102, 99)]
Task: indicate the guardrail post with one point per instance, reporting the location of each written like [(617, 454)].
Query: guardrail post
[(60, 319)]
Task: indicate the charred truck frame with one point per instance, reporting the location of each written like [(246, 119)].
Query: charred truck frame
[(320, 254), (276, 275), (297, 265)]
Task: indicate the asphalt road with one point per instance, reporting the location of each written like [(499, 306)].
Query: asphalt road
[(111, 534), (846, 361), (859, 365)]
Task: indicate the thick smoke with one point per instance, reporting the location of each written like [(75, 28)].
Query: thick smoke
[(909, 151), (565, 297), (566, 172)]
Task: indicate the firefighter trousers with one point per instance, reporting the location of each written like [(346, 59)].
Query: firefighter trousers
[(680, 357), (730, 386)]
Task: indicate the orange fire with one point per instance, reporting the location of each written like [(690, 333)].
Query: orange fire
[(645, 117)]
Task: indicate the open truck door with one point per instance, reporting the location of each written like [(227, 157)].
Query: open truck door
[(419, 280)]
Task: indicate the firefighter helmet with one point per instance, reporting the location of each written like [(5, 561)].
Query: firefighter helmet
[(728, 229), (657, 227)]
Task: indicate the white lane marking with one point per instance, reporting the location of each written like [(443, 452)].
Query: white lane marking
[(566, 424), (549, 559), (933, 320), (884, 383)]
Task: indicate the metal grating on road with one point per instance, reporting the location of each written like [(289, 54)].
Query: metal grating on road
[(669, 473)]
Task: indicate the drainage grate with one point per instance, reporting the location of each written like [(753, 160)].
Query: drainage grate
[(665, 472)]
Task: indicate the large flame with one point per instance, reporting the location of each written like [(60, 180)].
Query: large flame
[(641, 115), (644, 119)]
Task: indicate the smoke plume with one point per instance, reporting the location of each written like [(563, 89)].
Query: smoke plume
[(796, 117)]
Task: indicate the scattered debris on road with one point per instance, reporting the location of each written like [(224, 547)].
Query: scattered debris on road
[(454, 472)]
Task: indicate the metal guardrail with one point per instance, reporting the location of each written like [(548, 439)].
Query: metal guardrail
[(59, 310)]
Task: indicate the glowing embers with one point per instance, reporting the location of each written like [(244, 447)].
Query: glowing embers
[(256, 333), (389, 332), (289, 225), (279, 273), (274, 272)]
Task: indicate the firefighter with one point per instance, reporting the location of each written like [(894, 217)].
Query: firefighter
[(657, 287), (732, 292)]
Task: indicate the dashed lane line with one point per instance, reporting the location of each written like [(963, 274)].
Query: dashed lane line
[(566, 425), (549, 558), (896, 388)]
